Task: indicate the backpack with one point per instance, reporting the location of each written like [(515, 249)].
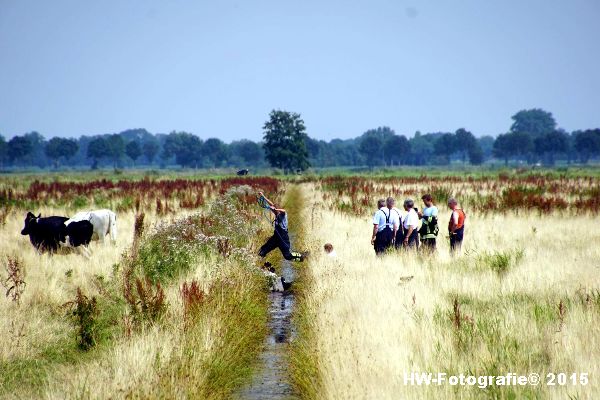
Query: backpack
[(429, 226)]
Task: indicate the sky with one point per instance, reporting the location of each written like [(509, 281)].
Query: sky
[(217, 68)]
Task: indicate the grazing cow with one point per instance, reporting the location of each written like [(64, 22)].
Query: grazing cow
[(242, 172), (78, 234), (103, 221), (44, 233)]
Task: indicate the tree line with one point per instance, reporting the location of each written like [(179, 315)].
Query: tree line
[(533, 138)]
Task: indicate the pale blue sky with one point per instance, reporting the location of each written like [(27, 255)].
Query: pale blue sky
[(216, 68)]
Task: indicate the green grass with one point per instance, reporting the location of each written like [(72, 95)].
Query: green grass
[(304, 358)]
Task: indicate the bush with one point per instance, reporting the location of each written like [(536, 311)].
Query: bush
[(84, 313)]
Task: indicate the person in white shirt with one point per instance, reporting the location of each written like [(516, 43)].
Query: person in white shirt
[(385, 226), (410, 226), (429, 224)]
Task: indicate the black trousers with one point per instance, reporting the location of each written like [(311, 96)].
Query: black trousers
[(457, 239), (429, 245), (413, 240), (383, 240), (281, 240)]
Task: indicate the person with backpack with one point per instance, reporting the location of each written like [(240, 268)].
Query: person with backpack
[(385, 226), (429, 224), (456, 226)]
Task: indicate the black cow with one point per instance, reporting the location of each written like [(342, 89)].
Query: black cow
[(78, 233), (45, 233), (242, 172)]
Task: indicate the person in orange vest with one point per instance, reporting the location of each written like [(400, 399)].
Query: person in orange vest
[(456, 226)]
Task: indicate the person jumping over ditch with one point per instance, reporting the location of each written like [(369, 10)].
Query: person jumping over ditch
[(280, 237)]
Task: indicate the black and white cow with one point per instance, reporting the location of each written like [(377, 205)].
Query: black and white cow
[(44, 233), (78, 234), (103, 221), (243, 172)]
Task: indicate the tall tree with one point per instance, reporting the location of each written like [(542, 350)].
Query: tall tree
[(421, 148), (98, 148), (133, 150), (285, 141), (3, 151), (215, 152), (587, 144), (368, 140), (515, 144), (249, 152), (18, 148), (445, 146), (117, 148), (550, 144), (487, 145), (58, 148), (151, 149), (535, 122), (186, 147), (465, 143), (371, 148), (396, 149)]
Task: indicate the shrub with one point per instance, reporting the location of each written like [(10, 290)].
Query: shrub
[(84, 313), (147, 302), (193, 298), (15, 280)]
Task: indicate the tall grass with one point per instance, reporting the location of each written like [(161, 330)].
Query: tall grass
[(519, 300), (115, 326)]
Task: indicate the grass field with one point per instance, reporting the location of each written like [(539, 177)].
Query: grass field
[(179, 309), (524, 297)]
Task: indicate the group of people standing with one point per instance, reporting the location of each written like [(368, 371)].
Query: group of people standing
[(411, 229)]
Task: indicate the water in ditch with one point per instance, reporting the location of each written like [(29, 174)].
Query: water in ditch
[(271, 379)]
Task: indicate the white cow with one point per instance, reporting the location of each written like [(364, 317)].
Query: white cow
[(104, 222)]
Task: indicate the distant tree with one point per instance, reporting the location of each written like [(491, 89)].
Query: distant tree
[(98, 148), (476, 155), (396, 149), (536, 122), (587, 144), (445, 146), (465, 143), (18, 148), (186, 147), (133, 150), (250, 152), (371, 148), (509, 145), (502, 148), (116, 145), (151, 149), (215, 151), (487, 145), (285, 141), (58, 148), (368, 141), (548, 145), (3, 151), (421, 148)]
